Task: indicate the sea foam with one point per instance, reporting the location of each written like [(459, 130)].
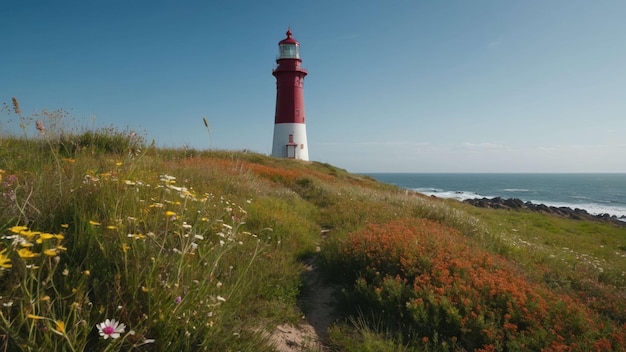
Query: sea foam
[(458, 195)]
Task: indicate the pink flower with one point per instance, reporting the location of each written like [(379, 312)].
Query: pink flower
[(110, 328), (40, 126)]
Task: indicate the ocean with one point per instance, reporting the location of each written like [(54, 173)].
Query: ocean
[(596, 193)]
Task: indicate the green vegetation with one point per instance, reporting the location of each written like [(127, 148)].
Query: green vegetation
[(204, 250)]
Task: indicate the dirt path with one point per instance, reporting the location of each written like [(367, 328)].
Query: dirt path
[(317, 301)]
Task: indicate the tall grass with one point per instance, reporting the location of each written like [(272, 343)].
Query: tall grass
[(97, 227), (202, 250), (166, 260)]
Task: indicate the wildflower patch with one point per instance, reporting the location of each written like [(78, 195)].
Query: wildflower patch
[(429, 283), (177, 258)]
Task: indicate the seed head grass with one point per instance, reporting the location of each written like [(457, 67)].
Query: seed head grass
[(16, 106)]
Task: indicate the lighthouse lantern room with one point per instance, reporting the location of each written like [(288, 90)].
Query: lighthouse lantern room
[(289, 121)]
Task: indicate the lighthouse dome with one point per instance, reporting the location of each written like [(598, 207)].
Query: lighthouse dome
[(289, 48), (289, 39)]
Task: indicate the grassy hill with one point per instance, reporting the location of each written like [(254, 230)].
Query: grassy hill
[(206, 251)]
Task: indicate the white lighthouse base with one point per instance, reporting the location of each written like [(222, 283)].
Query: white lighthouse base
[(296, 146)]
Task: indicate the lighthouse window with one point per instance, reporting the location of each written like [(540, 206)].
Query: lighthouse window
[(289, 51)]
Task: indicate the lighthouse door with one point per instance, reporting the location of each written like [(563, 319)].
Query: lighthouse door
[(291, 147), (291, 151)]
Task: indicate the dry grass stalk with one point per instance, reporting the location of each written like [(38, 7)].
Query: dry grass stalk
[(16, 106)]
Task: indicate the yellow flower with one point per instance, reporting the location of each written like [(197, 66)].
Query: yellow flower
[(18, 229), (29, 234), (87, 272), (59, 236), (125, 247), (60, 327), (45, 298), (50, 252), (170, 213), (119, 163), (61, 248), (26, 253), (36, 317), (5, 262), (94, 223), (111, 227), (65, 226), (46, 236)]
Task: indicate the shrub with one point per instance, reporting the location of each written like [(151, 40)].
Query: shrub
[(102, 141), (429, 283)]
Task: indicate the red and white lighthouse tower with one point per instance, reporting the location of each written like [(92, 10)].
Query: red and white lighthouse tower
[(289, 121)]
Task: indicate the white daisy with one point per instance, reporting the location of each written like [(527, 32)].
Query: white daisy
[(110, 328)]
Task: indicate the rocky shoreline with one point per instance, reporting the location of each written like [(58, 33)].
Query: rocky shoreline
[(564, 212)]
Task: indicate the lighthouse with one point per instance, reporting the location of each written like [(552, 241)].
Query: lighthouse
[(289, 121)]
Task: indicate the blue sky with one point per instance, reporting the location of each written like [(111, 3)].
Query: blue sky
[(393, 86)]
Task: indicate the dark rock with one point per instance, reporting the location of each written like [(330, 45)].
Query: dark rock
[(564, 212), (514, 203)]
